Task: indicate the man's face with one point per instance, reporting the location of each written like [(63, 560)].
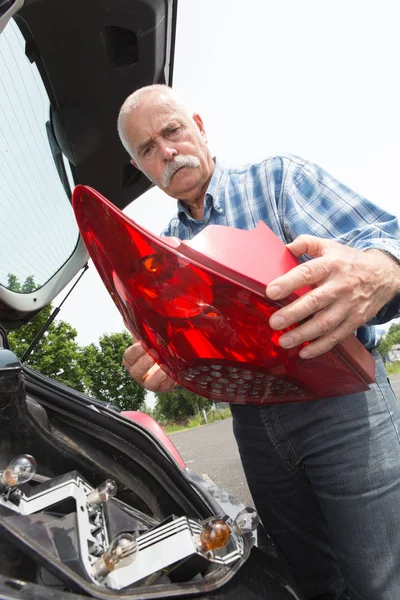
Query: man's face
[(169, 147)]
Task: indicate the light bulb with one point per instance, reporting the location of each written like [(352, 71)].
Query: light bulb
[(122, 552), (20, 470), (215, 535), (103, 492), (246, 521)]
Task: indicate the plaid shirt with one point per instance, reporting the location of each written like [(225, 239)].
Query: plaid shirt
[(294, 197)]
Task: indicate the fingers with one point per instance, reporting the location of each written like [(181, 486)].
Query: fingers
[(322, 325), (311, 245), (140, 362), (327, 342), (322, 317), (306, 274), (132, 354), (309, 304), (143, 369), (157, 380)]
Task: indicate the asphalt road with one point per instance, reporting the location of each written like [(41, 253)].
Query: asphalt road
[(212, 450)]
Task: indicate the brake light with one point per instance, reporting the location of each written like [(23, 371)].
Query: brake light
[(201, 306)]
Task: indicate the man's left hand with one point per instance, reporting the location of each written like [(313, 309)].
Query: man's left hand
[(351, 286)]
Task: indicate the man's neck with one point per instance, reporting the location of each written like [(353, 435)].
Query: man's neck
[(196, 204), (196, 208)]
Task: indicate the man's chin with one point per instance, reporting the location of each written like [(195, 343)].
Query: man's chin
[(179, 175), (180, 171), (179, 185)]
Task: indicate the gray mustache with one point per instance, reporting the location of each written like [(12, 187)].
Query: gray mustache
[(174, 166)]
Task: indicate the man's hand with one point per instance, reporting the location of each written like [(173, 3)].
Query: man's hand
[(351, 287), (143, 369)]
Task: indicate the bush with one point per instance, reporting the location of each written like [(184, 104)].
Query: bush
[(172, 427), (392, 368), (219, 415), (196, 421)]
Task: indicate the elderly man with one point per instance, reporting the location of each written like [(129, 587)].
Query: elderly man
[(325, 476)]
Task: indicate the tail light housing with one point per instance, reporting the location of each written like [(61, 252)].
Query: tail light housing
[(199, 308)]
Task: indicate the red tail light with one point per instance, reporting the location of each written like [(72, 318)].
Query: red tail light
[(200, 307)]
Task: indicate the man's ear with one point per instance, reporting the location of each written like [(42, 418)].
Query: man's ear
[(134, 163), (200, 125)]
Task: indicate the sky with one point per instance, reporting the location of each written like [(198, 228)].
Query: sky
[(316, 78)]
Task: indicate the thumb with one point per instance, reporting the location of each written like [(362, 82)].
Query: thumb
[(309, 244)]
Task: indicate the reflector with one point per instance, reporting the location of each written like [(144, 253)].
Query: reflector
[(199, 306)]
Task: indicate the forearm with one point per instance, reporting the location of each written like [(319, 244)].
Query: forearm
[(391, 309)]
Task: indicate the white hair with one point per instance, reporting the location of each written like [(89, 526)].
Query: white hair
[(135, 99)]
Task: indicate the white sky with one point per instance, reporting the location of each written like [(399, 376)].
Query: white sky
[(315, 78)]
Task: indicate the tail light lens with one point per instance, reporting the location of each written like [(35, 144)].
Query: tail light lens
[(200, 306)]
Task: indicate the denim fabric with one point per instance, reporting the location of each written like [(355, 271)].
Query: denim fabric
[(325, 478)]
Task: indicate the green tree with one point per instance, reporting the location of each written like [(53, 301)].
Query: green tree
[(22, 337), (29, 285), (391, 338), (93, 369), (12, 283), (104, 376), (57, 353), (179, 405)]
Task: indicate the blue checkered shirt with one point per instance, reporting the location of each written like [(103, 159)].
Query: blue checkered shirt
[(293, 197)]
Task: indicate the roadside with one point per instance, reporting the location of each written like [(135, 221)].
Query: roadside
[(395, 383), (203, 418), (393, 368)]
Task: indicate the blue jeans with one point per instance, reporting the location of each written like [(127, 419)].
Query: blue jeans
[(325, 478)]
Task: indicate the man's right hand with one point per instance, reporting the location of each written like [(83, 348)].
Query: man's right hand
[(143, 369)]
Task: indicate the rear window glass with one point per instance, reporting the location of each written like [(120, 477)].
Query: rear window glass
[(38, 232)]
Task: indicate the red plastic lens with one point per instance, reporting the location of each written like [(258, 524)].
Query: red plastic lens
[(157, 279), (201, 306)]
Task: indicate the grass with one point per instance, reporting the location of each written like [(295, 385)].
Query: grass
[(198, 420), (392, 368)]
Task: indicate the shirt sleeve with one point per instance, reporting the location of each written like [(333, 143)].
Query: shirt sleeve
[(315, 203)]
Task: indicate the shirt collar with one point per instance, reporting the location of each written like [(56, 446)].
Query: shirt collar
[(212, 193)]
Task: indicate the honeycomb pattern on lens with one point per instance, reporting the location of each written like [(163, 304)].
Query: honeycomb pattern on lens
[(230, 382)]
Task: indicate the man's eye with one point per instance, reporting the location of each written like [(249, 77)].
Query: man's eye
[(147, 151), (173, 131)]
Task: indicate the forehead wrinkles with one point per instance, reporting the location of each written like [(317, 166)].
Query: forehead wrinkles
[(159, 109), (146, 125)]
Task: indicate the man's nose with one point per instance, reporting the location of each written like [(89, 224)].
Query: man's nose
[(168, 151)]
